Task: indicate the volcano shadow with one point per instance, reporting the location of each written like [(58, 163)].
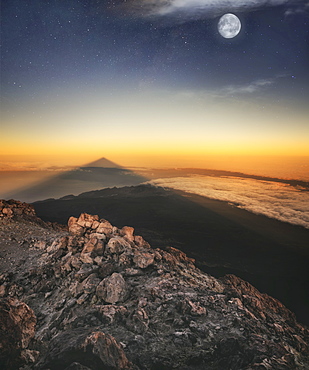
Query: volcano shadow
[(99, 174), (271, 255)]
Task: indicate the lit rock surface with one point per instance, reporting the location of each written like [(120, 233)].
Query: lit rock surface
[(17, 328), (104, 299)]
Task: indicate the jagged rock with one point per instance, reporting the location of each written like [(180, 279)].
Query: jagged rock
[(108, 350), (13, 208), (7, 212), (104, 227), (88, 221), (90, 284), (112, 289), (74, 227), (99, 236), (143, 259), (75, 243), (112, 313), (159, 310), (17, 328), (2, 290), (139, 321), (95, 349), (86, 258), (94, 246), (29, 356), (117, 245), (195, 309), (107, 268), (140, 242), (62, 243), (85, 270), (259, 304), (127, 232)]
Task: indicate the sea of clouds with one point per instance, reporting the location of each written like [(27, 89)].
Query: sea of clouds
[(272, 199)]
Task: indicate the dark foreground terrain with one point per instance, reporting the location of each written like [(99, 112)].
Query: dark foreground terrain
[(271, 255), (100, 297)]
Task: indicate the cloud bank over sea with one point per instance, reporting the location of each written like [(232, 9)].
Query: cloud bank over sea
[(272, 199)]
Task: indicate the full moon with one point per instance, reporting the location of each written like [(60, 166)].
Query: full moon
[(229, 26)]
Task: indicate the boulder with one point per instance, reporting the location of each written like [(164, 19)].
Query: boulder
[(143, 259), (104, 227), (140, 242), (17, 328), (117, 245), (74, 227), (127, 232), (112, 289), (88, 221), (93, 246)]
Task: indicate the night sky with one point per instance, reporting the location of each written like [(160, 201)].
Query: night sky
[(134, 79)]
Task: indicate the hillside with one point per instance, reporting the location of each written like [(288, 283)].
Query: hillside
[(100, 297), (271, 255)]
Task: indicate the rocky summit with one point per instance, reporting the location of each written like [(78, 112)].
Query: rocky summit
[(98, 297)]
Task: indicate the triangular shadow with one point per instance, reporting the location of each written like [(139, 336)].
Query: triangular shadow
[(99, 174)]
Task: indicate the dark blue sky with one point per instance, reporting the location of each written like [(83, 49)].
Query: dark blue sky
[(137, 64), (57, 42)]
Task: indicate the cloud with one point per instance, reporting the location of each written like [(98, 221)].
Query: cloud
[(272, 199), (297, 8), (230, 91), (193, 9), (250, 88), (32, 166)]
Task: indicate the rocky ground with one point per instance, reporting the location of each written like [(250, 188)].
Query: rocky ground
[(271, 255), (99, 297)]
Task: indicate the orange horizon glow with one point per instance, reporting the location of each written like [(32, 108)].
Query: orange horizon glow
[(153, 128)]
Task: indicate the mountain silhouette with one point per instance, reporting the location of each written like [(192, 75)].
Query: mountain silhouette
[(104, 163), (99, 174)]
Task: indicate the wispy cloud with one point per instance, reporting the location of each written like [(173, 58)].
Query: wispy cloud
[(297, 8), (188, 9), (252, 87), (272, 199), (32, 166)]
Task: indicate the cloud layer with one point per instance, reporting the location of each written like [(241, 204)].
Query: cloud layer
[(188, 9), (272, 199)]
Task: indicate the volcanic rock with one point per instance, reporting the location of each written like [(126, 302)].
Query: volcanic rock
[(112, 289), (104, 299), (17, 328), (13, 208), (94, 350)]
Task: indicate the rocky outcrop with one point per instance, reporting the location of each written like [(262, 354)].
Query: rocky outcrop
[(16, 210), (93, 350), (104, 299), (17, 328), (13, 208)]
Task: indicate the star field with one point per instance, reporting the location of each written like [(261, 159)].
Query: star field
[(53, 51)]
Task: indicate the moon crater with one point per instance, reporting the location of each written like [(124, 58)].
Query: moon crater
[(229, 25)]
